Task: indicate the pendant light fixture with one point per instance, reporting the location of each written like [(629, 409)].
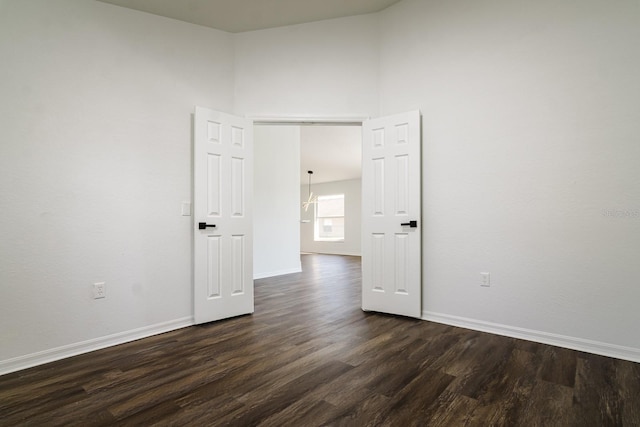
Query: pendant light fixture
[(311, 200)]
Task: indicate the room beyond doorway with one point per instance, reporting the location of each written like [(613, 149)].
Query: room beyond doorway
[(280, 169), (331, 223)]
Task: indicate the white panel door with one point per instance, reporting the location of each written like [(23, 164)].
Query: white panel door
[(223, 221), (391, 215)]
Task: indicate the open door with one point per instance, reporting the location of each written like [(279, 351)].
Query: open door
[(391, 215), (223, 221)]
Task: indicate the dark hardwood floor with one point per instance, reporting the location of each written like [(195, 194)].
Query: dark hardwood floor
[(309, 356)]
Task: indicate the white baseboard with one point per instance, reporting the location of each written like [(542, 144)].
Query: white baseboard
[(257, 276), (46, 356), (580, 344), (345, 253)]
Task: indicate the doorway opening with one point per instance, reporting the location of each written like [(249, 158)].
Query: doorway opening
[(283, 228)]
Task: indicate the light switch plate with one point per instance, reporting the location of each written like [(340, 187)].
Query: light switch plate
[(186, 208)]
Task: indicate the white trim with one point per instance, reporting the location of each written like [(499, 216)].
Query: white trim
[(580, 344), (308, 120), (257, 276), (46, 356)]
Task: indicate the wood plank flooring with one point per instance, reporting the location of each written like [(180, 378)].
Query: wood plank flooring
[(309, 356)]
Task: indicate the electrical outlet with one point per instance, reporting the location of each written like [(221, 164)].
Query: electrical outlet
[(485, 279), (99, 290)]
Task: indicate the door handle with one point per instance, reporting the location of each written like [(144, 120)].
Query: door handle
[(412, 224), (203, 225)]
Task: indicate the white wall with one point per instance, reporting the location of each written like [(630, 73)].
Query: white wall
[(530, 121), (352, 200), (321, 69), (95, 160), (276, 200)]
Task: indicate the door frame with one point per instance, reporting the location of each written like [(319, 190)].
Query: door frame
[(307, 120)]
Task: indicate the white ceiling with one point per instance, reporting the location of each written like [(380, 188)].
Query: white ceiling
[(247, 15), (333, 153)]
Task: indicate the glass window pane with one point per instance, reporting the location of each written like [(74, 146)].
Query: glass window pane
[(331, 228), (329, 224), (329, 206)]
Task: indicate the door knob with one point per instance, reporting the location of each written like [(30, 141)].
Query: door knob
[(203, 225), (412, 224)]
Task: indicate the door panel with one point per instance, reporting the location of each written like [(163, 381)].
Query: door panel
[(391, 188), (223, 191)]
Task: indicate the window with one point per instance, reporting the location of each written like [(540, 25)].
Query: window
[(329, 223)]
